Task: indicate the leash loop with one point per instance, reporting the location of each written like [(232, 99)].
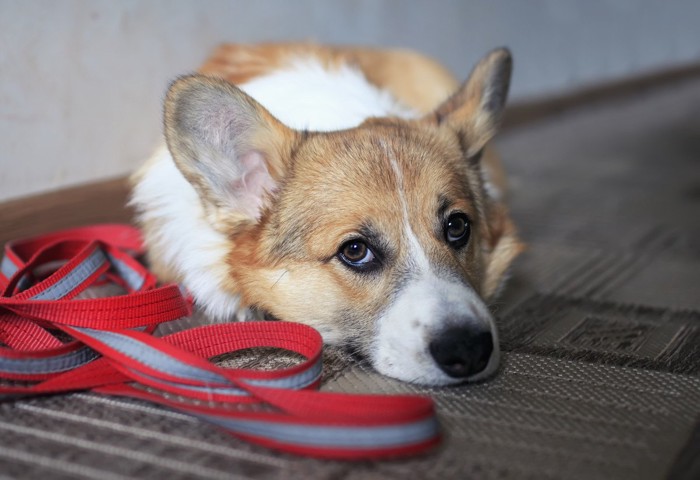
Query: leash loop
[(53, 342)]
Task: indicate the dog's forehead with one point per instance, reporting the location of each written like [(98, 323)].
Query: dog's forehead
[(380, 160), (372, 176)]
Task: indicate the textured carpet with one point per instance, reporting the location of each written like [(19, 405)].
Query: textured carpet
[(600, 326)]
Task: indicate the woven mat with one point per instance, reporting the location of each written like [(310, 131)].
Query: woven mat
[(600, 328)]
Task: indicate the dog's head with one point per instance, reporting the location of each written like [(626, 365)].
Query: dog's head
[(383, 236)]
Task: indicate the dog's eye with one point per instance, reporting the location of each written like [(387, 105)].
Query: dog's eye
[(356, 253), (457, 230)]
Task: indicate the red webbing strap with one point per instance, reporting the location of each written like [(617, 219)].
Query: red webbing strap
[(112, 351)]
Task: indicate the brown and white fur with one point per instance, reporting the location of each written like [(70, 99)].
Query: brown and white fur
[(269, 192)]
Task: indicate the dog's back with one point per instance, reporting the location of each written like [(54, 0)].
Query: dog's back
[(413, 79)]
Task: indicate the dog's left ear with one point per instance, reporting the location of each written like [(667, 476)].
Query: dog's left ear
[(475, 109), (228, 146)]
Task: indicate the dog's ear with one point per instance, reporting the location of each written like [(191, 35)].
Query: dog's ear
[(475, 109), (227, 146)]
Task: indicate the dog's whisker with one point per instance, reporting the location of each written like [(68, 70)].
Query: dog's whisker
[(280, 278)]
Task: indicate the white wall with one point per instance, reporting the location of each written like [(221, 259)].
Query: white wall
[(81, 82)]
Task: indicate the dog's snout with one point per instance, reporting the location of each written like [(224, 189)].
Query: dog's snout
[(461, 352)]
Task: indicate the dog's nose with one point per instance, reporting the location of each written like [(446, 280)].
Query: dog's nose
[(461, 352)]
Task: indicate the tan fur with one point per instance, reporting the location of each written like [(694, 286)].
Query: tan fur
[(330, 185), (299, 282)]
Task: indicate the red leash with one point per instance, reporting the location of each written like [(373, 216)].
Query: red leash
[(111, 351)]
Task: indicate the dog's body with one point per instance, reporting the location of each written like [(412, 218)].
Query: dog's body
[(338, 191)]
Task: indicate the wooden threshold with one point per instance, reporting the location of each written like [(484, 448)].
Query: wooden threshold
[(98, 202), (104, 201)]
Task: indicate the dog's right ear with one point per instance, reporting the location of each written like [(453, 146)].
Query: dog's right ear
[(474, 110), (226, 145)]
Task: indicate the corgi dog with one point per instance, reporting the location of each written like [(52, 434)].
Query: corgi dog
[(349, 189)]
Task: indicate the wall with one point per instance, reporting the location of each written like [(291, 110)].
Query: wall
[(81, 82)]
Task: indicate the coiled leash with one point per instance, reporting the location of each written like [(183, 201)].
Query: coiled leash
[(54, 343)]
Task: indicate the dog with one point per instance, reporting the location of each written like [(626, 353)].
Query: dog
[(350, 189)]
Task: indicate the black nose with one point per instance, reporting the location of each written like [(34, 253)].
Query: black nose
[(461, 352)]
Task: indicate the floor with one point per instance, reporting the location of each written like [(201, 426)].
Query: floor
[(600, 326)]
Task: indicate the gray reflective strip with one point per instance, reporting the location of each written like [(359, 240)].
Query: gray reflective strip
[(73, 278), (298, 381), (7, 267), (192, 388), (329, 436), (56, 364), (132, 277), (151, 357)]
